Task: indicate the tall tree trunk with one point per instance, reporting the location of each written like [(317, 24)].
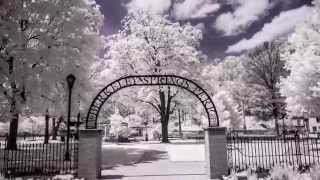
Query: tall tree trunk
[(56, 128), (164, 130), (165, 114), (180, 130), (243, 116), (275, 112), (275, 116), (164, 122), (13, 133)]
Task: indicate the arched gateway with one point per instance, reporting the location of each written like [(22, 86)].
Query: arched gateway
[(151, 80), (90, 141)]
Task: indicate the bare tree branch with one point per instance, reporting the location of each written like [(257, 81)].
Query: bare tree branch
[(152, 104), (174, 107)]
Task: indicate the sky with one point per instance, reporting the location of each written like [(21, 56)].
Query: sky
[(230, 27)]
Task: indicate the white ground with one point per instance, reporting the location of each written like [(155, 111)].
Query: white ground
[(186, 152), (176, 152), (154, 161)]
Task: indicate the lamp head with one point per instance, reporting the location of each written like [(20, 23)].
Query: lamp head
[(70, 80)]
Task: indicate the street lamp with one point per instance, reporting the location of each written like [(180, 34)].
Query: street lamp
[(70, 80)]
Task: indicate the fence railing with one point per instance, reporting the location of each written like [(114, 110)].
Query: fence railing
[(263, 153), (35, 158)]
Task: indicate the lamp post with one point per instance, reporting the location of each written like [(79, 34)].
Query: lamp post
[(78, 119), (78, 125), (46, 131), (306, 121), (70, 80)]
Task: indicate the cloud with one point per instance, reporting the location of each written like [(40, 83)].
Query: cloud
[(192, 9), (152, 6), (280, 25), (247, 12), (181, 10)]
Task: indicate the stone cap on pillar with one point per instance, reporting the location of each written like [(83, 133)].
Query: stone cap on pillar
[(216, 130), (90, 132)]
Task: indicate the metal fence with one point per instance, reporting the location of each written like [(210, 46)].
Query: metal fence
[(35, 158), (262, 153)]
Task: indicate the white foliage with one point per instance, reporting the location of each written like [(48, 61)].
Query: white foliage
[(227, 110), (151, 44), (225, 79), (56, 38), (116, 121), (302, 56)]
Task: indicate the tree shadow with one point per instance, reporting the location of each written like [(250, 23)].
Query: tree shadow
[(114, 157), (111, 177)]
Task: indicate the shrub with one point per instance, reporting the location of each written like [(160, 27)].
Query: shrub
[(66, 177), (278, 173)]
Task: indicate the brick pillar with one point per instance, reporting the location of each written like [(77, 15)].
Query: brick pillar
[(216, 152), (89, 160)]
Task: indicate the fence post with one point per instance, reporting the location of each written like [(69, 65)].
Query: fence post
[(89, 156), (216, 152), (298, 151)]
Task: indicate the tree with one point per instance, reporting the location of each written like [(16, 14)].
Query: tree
[(302, 60), (230, 93), (40, 43), (56, 126), (227, 109), (151, 44), (263, 70)]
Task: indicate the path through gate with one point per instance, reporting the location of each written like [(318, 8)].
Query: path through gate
[(90, 139)]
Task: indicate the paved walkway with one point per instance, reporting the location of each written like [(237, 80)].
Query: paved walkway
[(148, 163)]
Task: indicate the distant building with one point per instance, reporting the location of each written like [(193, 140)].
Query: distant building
[(300, 123), (311, 124), (314, 124), (137, 130)]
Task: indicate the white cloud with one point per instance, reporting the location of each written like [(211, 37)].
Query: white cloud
[(181, 10), (191, 9), (280, 25), (247, 12), (152, 6)]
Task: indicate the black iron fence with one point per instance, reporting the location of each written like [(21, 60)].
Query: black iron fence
[(264, 152), (36, 158)]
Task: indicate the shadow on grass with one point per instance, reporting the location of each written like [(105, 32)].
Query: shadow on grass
[(119, 156), (153, 175)]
